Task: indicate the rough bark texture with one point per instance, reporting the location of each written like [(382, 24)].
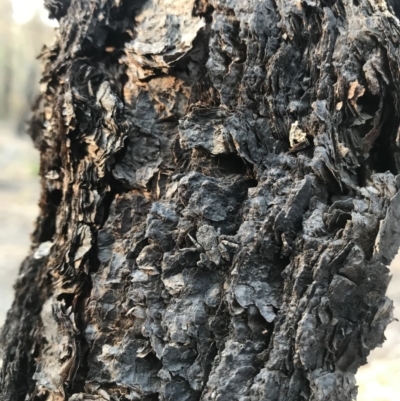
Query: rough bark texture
[(220, 202)]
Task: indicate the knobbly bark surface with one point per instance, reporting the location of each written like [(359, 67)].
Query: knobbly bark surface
[(219, 206)]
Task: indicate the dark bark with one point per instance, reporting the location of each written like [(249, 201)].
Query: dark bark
[(220, 202)]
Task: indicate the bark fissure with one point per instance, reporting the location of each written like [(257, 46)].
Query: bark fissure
[(219, 202)]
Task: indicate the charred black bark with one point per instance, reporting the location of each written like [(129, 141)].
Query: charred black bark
[(219, 206)]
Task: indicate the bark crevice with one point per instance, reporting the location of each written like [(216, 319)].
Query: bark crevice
[(219, 202)]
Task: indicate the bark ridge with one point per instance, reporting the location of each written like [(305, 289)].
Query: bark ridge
[(219, 202)]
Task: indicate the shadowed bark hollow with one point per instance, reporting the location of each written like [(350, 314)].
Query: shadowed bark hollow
[(220, 202)]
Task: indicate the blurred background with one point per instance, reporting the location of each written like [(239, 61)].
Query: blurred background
[(24, 29)]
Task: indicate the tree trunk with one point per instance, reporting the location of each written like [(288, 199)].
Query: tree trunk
[(219, 203)]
